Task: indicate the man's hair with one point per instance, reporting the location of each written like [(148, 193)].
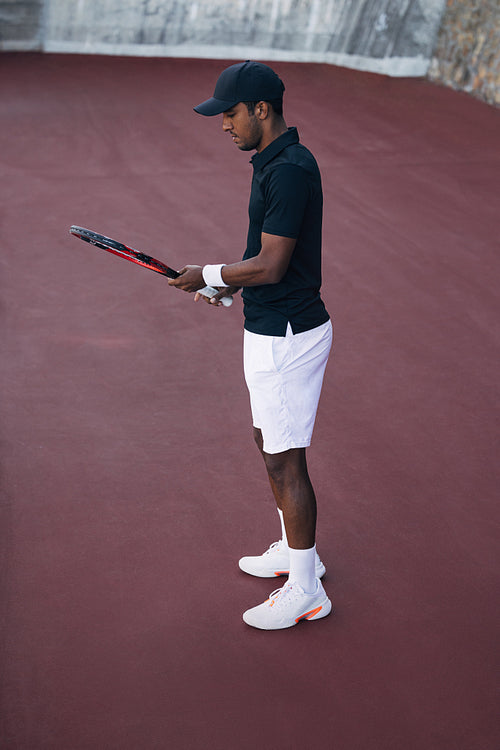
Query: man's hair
[(276, 104)]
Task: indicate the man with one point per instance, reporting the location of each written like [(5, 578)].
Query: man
[(288, 333)]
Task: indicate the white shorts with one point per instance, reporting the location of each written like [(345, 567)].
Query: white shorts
[(284, 375)]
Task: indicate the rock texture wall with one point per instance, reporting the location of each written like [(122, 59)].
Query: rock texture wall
[(467, 54)]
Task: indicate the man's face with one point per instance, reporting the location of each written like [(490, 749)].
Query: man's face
[(245, 129)]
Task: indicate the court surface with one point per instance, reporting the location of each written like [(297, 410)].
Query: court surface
[(131, 485)]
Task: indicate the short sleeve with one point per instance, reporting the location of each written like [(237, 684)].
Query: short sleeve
[(286, 196)]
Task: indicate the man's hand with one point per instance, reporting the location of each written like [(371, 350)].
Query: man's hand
[(225, 291), (190, 279)]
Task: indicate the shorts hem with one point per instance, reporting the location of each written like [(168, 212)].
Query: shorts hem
[(290, 445)]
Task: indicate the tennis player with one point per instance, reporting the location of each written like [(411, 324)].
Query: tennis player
[(288, 332)]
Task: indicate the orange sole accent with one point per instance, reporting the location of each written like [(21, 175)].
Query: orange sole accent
[(308, 615), (281, 572)]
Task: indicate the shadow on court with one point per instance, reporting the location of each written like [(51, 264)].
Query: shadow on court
[(131, 485)]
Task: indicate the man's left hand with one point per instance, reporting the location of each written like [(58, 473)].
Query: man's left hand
[(190, 279)]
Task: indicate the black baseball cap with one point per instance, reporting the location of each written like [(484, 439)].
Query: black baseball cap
[(244, 82)]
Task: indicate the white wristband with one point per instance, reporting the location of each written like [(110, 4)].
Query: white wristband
[(212, 275)]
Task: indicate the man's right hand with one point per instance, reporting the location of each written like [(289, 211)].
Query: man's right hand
[(225, 291)]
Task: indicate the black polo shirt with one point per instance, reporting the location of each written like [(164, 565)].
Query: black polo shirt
[(286, 199)]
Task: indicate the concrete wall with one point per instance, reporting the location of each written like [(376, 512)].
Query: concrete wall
[(388, 36), (21, 24), (467, 53)]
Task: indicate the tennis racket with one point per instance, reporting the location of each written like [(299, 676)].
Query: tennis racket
[(146, 261)]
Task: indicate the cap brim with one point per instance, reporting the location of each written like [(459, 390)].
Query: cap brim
[(213, 106)]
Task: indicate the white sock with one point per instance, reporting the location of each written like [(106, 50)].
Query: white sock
[(283, 530), (303, 568)]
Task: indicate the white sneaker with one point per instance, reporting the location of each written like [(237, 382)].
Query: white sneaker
[(287, 606), (274, 562)]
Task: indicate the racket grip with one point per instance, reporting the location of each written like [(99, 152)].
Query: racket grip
[(209, 291)]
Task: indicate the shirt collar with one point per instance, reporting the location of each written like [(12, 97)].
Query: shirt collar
[(260, 160)]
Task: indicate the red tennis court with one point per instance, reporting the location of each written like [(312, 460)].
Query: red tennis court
[(131, 484)]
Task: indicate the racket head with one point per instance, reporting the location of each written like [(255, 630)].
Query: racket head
[(122, 251), (141, 259)]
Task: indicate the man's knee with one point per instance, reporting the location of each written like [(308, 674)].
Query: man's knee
[(286, 466)]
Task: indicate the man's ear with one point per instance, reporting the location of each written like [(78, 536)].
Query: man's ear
[(262, 110)]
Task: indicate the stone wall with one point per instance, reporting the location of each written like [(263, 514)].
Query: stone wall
[(467, 53)]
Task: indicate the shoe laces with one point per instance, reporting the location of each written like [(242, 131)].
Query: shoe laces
[(274, 547), (285, 595)]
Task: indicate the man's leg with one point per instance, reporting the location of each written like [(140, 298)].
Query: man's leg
[(271, 373), (302, 597), (294, 495), (293, 492)]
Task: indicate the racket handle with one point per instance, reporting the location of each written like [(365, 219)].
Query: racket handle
[(209, 291)]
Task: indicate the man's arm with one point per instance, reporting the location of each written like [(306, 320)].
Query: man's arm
[(268, 267)]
